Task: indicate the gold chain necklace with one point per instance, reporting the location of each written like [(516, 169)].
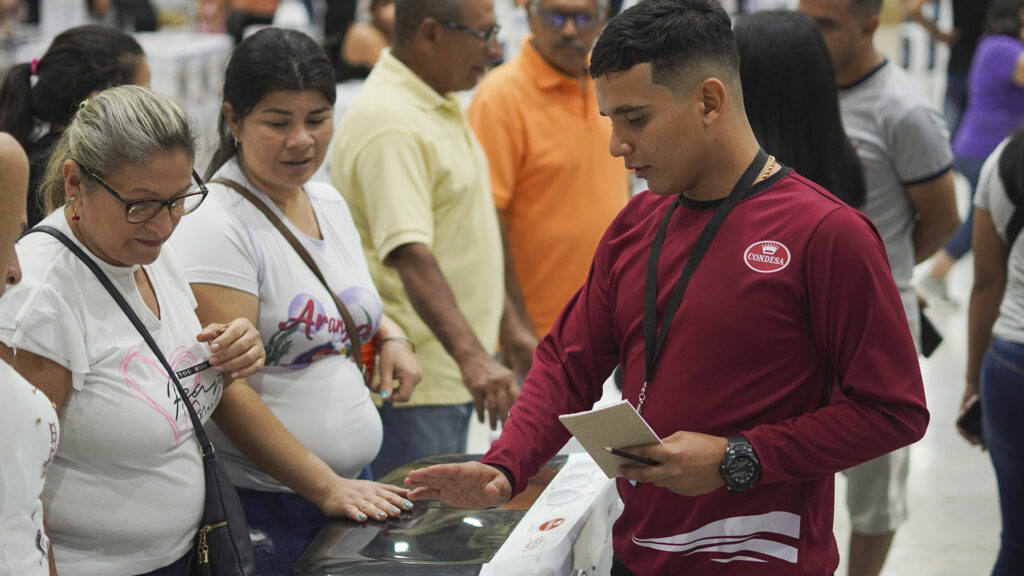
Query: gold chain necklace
[(768, 170)]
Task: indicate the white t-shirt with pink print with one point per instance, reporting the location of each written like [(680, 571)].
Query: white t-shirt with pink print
[(124, 494), (309, 381)]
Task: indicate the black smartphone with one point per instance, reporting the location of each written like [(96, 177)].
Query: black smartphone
[(971, 420), (634, 457)]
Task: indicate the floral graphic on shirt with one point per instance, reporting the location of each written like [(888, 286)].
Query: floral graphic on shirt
[(41, 541), (138, 367), (54, 437), (309, 332)]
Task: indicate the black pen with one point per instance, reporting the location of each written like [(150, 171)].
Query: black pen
[(631, 456)]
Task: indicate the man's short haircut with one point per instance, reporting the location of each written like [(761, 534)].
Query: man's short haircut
[(409, 14), (676, 37), (868, 7)]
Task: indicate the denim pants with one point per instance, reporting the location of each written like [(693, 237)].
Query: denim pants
[(281, 525), (960, 243), (418, 432), (1002, 403), (955, 102)]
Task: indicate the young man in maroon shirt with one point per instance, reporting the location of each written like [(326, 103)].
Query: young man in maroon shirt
[(787, 358)]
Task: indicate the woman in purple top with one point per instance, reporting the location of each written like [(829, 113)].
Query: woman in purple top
[(995, 108)]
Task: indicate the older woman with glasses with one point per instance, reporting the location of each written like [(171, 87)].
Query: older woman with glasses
[(125, 490)]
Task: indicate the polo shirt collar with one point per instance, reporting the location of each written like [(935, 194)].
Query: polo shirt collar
[(546, 76), (397, 73)]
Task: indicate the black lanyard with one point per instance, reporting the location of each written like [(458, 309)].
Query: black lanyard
[(653, 337)]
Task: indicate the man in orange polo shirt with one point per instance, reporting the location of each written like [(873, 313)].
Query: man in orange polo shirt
[(555, 185)]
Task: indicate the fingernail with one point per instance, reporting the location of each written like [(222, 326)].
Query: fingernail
[(214, 346), (381, 514), (214, 360), (383, 393), (408, 504), (394, 510), (236, 374), (362, 516)]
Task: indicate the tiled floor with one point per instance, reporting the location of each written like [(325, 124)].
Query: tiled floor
[(953, 528)]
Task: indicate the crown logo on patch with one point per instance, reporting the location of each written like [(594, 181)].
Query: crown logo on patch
[(770, 249)]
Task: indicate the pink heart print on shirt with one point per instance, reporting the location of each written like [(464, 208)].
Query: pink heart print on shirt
[(138, 366)]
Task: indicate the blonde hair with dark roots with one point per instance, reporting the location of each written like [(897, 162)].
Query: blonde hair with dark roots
[(121, 125)]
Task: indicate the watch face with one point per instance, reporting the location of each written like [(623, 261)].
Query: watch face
[(740, 468), (743, 471)]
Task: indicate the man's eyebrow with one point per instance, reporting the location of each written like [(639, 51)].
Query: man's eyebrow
[(625, 109)]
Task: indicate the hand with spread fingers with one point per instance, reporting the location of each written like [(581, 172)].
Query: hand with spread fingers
[(689, 463), (465, 485), (236, 347), (362, 500)]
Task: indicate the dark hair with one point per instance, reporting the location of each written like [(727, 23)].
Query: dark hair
[(868, 6), (674, 36), (1011, 169), (409, 14), (789, 92), (271, 59), (79, 61), (1003, 17)]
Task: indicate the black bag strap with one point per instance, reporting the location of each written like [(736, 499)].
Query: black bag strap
[(205, 446), (350, 325)]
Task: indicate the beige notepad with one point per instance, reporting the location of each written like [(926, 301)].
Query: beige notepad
[(617, 426)]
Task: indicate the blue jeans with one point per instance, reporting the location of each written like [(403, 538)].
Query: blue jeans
[(960, 243), (1002, 403), (179, 568), (281, 525), (955, 102), (418, 432)]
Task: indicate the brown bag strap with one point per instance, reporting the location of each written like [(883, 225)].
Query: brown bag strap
[(350, 325)]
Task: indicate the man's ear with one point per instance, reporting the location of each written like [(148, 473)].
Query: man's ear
[(429, 35), (713, 99), (869, 25)]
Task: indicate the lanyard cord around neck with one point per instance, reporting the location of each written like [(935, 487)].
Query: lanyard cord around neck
[(653, 337)]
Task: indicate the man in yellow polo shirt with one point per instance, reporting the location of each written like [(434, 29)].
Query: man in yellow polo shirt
[(416, 181), (555, 185)]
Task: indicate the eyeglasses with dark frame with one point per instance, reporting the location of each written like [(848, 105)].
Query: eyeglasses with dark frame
[(139, 211), (556, 19), (488, 36)]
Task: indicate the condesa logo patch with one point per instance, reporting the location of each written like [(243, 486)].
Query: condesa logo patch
[(766, 256)]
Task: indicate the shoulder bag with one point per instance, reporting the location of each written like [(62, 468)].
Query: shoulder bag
[(222, 545)]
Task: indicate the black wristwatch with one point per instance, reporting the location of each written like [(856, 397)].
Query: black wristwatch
[(740, 467)]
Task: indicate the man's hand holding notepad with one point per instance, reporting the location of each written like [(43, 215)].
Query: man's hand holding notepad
[(616, 426)]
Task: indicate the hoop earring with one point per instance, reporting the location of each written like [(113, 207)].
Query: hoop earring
[(74, 214), (238, 145)]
